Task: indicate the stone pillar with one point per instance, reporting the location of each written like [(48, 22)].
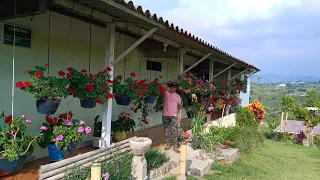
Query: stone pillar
[(139, 147)]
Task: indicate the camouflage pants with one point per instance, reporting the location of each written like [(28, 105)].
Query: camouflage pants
[(171, 131)]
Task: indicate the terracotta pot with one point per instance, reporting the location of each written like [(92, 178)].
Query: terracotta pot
[(140, 145), (120, 135)]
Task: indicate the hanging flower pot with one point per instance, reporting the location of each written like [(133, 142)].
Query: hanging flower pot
[(9, 167), (46, 106), (123, 100), (120, 136), (150, 99), (87, 103), (54, 153), (72, 147)]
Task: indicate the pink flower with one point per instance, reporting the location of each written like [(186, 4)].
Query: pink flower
[(67, 122), (28, 121), (23, 116), (186, 134), (43, 128), (210, 108), (180, 88), (106, 176), (59, 138), (82, 122), (187, 91), (88, 130), (80, 129), (194, 96)]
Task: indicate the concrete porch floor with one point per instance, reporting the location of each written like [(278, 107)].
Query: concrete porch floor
[(30, 169)]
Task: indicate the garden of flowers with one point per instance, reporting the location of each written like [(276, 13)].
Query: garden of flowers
[(61, 133)]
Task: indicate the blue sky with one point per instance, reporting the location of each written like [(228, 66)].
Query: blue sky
[(278, 36)]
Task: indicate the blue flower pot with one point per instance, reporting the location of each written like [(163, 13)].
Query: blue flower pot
[(150, 99), (88, 103), (72, 147), (54, 153), (123, 100), (9, 167), (45, 106)]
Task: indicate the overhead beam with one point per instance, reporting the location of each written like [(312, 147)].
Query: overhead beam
[(134, 45), (224, 70), (239, 74), (198, 62)]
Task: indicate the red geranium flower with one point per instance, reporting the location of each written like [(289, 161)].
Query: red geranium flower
[(145, 121), (19, 84), (120, 77), (38, 74), (69, 76), (133, 74), (156, 82), (108, 69), (101, 72), (70, 69), (91, 76), (139, 92), (98, 101), (61, 73), (110, 81), (90, 87), (147, 114), (52, 121), (83, 71), (131, 87), (8, 120), (105, 87), (160, 77), (26, 84), (46, 65), (26, 71), (71, 91), (110, 96)]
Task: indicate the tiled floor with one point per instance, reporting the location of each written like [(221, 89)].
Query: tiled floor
[(30, 170)]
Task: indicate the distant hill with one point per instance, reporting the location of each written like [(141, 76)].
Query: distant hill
[(273, 78)]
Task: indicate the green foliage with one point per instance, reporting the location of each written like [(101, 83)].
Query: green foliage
[(41, 85), (245, 118), (13, 139), (289, 103), (94, 87), (311, 99), (125, 88), (123, 123), (273, 135), (245, 139), (97, 127), (317, 141), (155, 159), (119, 168)]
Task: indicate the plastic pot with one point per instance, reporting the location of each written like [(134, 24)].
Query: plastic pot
[(54, 153), (150, 99), (123, 100), (45, 106), (87, 103), (9, 167)]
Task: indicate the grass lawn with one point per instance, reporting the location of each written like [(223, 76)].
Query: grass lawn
[(272, 162)]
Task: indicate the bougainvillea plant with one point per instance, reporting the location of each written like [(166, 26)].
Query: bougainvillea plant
[(63, 131), (258, 110), (13, 139), (86, 86), (123, 123), (42, 85)]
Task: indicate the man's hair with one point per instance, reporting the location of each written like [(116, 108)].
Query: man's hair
[(172, 84)]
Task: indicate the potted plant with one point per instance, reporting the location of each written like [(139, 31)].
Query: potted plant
[(96, 136), (16, 145), (151, 91), (90, 88), (124, 91), (46, 89), (62, 134), (122, 126)]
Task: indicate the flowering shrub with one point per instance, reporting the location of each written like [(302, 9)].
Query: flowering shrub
[(125, 88), (123, 123), (185, 137), (258, 110), (94, 87), (13, 140), (63, 131), (41, 85)]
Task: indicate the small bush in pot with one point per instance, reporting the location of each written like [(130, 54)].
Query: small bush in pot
[(123, 90), (90, 88), (122, 126), (46, 89), (16, 145)]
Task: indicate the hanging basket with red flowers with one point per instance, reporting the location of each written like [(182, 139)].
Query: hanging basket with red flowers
[(91, 89), (48, 90), (124, 90)]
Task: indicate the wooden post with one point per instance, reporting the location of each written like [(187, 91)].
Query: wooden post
[(181, 60), (107, 108), (282, 114), (183, 160), (285, 128), (96, 171), (211, 70)]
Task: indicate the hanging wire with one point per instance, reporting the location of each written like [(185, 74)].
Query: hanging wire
[(49, 38), (13, 56), (90, 41), (125, 58)]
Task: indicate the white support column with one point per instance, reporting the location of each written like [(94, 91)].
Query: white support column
[(107, 108), (134, 45), (211, 70), (224, 70), (198, 62), (229, 78), (181, 54)]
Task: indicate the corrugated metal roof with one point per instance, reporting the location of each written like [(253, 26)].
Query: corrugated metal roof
[(127, 12)]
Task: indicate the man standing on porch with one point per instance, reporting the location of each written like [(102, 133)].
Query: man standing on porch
[(171, 103)]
